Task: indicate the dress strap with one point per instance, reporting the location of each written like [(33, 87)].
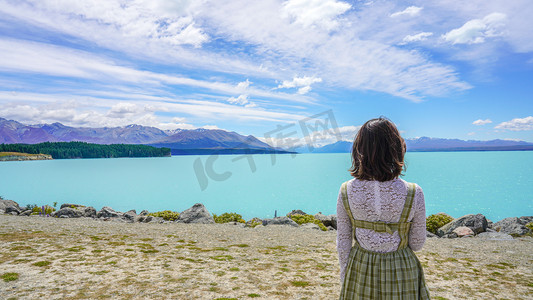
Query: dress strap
[(404, 224), (408, 202), (344, 192)]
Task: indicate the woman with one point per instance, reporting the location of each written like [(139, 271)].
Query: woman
[(384, 216)]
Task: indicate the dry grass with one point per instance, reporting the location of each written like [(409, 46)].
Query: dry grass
[(80, 259)]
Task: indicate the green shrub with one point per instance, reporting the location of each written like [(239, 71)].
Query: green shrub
[(38, 209), (167, 215), (530, 226), (228, 217), (302, 219), (7, 277), (434, 222)]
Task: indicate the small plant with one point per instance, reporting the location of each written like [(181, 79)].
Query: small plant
[(530, 226), (434, 222), (7, 277), (302, 219), (43, 263), (300, 283), (42, 211), (167, 215), (254, 295), (228, 217), (55, 204)]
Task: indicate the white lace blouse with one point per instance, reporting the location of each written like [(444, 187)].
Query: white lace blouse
[(378, 201)]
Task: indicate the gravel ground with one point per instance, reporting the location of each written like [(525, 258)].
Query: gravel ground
[(84, 258)]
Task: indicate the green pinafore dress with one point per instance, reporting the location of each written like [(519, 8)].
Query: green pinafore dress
[(390, 275)]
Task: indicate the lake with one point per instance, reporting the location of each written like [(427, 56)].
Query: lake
[(498, 184)]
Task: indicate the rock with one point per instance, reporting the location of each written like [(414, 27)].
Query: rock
[(64, 216), (89, 212), (14, 210), (478, 224), (25, 213), (2, 211), (310, 226), (68, 212), (489, 224), (250, 222), (196, 214), (129, 216), (280, 221), (144, 213), (514, 225), (496, 236), (7, 203), (107, 212), (150, 219), (296, 212), (330, 228), (330, 220), (71, 205), (450, 235), (430, 235), (463, 231)]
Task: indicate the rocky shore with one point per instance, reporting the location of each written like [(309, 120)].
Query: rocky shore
[(447, 227), (12, 156)]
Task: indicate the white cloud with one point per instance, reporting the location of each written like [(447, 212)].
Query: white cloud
[(416, 37), (303, 83), (39, 58), (471, 133), (322, 13), (241, 100), (482, 122), (477, 30), (409, 11), (243, 85), (517, 124)]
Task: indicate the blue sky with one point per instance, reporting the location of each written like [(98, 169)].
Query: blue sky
[(449, 69)]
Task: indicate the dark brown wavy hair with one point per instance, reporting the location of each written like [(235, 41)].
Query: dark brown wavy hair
[(378, 151)]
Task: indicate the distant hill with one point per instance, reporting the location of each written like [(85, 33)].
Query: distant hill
[(435, 144), (197, 141)]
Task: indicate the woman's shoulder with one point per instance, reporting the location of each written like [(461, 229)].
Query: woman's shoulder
[(418, 189)]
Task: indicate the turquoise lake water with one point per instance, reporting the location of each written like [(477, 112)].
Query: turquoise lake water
[(496, 184)]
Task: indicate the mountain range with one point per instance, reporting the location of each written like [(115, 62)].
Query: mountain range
[(208, 141), (422, 144), (196, 141)]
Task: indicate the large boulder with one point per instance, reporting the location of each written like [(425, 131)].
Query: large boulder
[(330, 220), (89, 212), (108, 212), (296, 212), (14, 210), (462, 231), (280, 221), (130, 215), (8, 206), (71, 205), (478, 224), (68, 212), (196, 214), (513, 226)]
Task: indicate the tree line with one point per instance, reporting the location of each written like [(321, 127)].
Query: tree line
[(61, 150)]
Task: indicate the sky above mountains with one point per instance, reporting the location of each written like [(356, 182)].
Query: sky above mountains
[(448, 69)]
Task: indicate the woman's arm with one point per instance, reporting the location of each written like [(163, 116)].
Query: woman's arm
[(344, 235), (417, 234)]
